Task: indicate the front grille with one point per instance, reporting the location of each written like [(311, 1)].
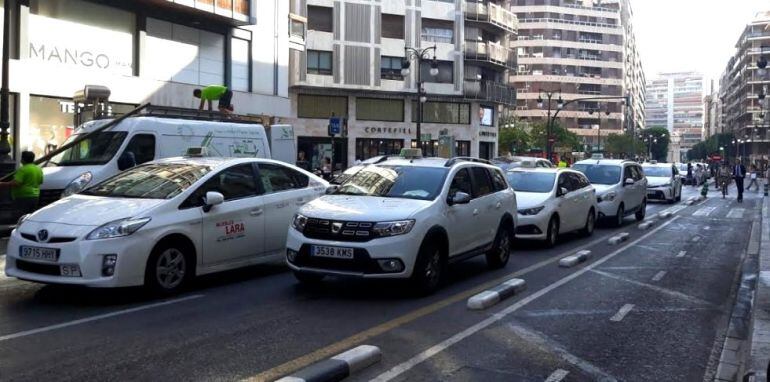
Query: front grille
[(49, 196), (655, 194), (337, 230), (360, 263), (55, 239), (43, 269)]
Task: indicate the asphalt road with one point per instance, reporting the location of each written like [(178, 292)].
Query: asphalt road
[(650, 309)]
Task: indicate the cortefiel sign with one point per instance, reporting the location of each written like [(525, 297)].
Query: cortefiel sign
[(84, 46)]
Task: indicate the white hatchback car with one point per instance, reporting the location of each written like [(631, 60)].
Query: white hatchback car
[(405, 218), (161, 223), (552, 201), (663, 182), (621, 187)]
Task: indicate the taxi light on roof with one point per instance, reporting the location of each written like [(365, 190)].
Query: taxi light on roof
[(196, 152), (410, 153), (597, 156)]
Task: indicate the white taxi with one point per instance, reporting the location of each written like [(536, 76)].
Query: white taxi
[(161, 223)]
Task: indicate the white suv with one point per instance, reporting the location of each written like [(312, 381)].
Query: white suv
[(405, 218), (621, 187)]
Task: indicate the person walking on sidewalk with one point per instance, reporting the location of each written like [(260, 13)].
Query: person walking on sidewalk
[(25, 186), (753, 175), (739, 172)]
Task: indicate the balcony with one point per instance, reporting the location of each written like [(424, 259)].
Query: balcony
[(231, 12), (492, 54), (491, 14), (489, 91)]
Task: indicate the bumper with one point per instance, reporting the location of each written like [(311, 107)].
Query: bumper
[(364, 264), (532, 227), (608, 208), (660, 193), (132, 253)]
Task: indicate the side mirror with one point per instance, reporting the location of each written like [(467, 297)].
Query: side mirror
[(212, 199), (459, 198), (629, 182), (562, 191), (332, 189)]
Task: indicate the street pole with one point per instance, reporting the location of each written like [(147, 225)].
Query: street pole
[(419, 102), (548, 127), (599, 133), (5, 146), (419, 55)]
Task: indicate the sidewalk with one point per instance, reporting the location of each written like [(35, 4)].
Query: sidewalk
[(760, 324)]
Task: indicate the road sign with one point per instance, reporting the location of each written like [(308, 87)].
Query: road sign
[(335, 125)]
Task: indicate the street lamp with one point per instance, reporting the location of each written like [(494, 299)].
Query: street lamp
[(599, 129), (650, 139), (419, 55)]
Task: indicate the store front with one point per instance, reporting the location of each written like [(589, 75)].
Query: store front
[(312, 151), (431, 148), (486, 150), (371, 147)]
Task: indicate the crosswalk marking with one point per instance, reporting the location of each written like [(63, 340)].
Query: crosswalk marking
[(557, 375), (681, 253), (622, 313), (705, 211), (658, 276), (736, 213)]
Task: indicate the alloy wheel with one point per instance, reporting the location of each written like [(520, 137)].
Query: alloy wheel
[(170, 268)]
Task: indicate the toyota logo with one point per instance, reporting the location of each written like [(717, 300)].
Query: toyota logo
[(336, 227), (42, 235)]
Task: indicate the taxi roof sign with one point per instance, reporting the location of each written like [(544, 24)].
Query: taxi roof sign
[(196, 152), (411, 153)]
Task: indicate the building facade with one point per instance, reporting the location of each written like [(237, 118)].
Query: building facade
[(743, 86), (580, 49), (675, 101), (352, 68), (144, 51), (711, 110)]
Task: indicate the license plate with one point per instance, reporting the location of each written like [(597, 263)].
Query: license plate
[(39, 253), (70, 270), (334, 252)]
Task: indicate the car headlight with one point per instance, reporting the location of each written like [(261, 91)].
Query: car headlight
[(530, 211), (21, 220), (117, 228), (299, 222), (77, 184), (393, 228), (608, 197)]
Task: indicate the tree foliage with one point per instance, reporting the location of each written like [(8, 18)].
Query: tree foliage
[(562, 137), (704, 149), (623, 146), (659, 149)]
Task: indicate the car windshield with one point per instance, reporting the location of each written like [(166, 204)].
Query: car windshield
[(531, 181), (342, 178), (152, 181), (599, 173), (657, 171), (408, 182), (98, 148)]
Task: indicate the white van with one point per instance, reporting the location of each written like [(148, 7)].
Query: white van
[(141, 139)]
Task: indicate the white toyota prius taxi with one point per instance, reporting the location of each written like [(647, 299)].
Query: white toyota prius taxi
[(161, 223)]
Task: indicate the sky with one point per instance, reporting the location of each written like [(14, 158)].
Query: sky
[(685, 35)]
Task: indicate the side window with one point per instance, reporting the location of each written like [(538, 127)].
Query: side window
[(482, 185), (142, 146), (566, 182), (627, 173), (461, 183), (234, 183), (277, 178), (638, 173), (580, 180), (498, 180)]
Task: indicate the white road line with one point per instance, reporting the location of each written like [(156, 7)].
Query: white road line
[(681, 253), (421, 357), (95, 318), (622, 313), (706, 228), (695, 238), (658, 276), (669, 292), (557, 376), (736, 213), (704, 211), (2, 268), (675, 208)]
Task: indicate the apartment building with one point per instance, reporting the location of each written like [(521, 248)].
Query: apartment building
[(743, 86), (352, 68), (675, 101), (144, 51), (580, 49), (711, 110)]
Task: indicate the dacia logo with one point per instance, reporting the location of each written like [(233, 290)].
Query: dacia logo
[(336, 227)]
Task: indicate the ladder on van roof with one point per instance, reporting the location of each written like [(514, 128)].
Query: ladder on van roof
[(195, 114)]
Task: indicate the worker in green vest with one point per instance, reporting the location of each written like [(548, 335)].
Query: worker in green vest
[(215, 93), (25, 185)]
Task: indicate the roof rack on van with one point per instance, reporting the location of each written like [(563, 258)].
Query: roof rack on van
[(454, 160), (203, 115)]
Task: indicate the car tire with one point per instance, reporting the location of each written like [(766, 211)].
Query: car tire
[(619, 216), (429, 268), (498, 256), (679, 195), (588, 229), (642, 212), (168, 269), (308, 278), (552, 235)]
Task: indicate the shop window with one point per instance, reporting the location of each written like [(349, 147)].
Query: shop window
[(486, 115), (312, 152), (319, 62), (142, 147), (376, 109), (390, 68), (392, 26), (313, 106), (320, 19), (179, 53), (367, 148), (463, 148), (445, 72), (486, 150), (443, 112)]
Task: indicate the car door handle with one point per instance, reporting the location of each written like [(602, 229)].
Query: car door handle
[(498, 205), (475, 211), (300, 202), (256, 212)]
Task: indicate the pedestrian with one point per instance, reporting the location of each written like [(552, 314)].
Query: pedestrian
[(698, 174), (689, 173), (739, 172), (215, 93), (326, 170), (302, 162), (25, 186), (725, 175), (753, 176)]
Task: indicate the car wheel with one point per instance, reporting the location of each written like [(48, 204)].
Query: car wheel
[(679, 195), (552, 236), (168, 269), (428, 269), (642, 211), (498, 256), (620, 215), (308, 278), (588, 229)]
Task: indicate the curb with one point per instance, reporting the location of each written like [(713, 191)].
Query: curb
[(619, 238), (492, 296), (665, 214), (338, 367), (646, 225), (572, 260)]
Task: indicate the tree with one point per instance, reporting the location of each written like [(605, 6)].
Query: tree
[(562, 137), (659, 146), (711, 146), (513, 140), (623, 146)]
